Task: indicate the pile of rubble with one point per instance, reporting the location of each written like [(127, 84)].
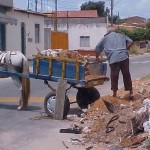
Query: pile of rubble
[(120, 121), (70, 54), (123, 122)]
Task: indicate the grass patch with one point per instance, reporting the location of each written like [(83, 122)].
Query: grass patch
[(147, 77)]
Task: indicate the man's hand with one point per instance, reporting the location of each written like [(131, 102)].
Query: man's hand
[(97, 60), (129, 45)]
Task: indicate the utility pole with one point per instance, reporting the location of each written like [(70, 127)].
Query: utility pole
[(36, 4), (112, 5), (55, 16)]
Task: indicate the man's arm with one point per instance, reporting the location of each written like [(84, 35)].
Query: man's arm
[(99, 48), (97, 57), (129, 42)]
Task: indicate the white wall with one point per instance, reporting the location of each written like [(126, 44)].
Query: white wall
[(7, 3), (13, 33), (96, 31)]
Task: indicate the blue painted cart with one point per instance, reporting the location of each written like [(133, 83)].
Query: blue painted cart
[(74, 71)]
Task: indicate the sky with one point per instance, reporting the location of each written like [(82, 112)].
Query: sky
[(125, 8)]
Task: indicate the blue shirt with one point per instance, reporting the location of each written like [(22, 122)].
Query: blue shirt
[(115, 47)]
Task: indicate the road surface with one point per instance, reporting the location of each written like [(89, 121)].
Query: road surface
[(27, 130)]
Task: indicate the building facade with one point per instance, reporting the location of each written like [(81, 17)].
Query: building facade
[(5, 7), (20, 30), (27, 34), (84, 29)]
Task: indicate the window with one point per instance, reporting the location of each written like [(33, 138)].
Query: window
[(2, 10), (2, 37), (37, 33), (84, 41)]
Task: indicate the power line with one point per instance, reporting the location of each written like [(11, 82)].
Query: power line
[(117, 3)]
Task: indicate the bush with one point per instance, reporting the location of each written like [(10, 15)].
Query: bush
[(139, 34)]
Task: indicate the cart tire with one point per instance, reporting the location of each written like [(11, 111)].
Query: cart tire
[(49, 104), (86, 96)]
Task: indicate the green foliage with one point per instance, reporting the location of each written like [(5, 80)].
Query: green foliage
[(124, 31), (139, 34), (101, 10), (115, 19), (148, 24), (99, 6), (147, 36)]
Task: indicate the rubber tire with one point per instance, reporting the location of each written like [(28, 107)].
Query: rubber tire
[(86, 96), (53, 96)]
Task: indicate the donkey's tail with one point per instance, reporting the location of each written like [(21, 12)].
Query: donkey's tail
[(25, 83)]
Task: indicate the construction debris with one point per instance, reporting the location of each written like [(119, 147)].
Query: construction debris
[(119, 120)]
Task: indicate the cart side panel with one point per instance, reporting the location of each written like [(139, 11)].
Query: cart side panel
[(98, 68), (70, 69)]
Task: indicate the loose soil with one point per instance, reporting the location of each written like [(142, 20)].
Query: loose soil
[(122, 130)]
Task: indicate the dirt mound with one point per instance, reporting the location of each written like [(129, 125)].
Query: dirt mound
[(120, 127)]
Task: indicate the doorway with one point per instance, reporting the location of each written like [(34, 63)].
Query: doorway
[(23, 38), (2, 37)]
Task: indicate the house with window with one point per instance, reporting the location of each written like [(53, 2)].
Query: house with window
[(29, 32), (84, 28), (20, 30), (5, 19), (135, 21)]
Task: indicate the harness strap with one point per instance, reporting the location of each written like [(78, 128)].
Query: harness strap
[(2, 57), (11, 53)]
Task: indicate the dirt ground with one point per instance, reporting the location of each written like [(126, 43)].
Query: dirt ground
[(120, 126)]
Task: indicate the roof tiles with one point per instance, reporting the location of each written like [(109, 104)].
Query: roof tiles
[(75, 14)]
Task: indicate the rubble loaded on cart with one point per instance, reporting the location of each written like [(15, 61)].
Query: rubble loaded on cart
[(78, 71)]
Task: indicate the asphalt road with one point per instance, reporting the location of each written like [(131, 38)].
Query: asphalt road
[(28, 130)]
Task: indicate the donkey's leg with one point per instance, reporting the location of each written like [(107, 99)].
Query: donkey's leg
[(18, 83)]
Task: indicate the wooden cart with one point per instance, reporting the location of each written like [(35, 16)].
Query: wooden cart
[(74, 72), (66, 71)]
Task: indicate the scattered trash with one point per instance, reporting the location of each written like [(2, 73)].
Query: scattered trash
[(111, 128), (122, 106), (76, 141), (117, 120), (75, 129), (109, 106), (72, 117), (65, 144), (89, 148), (133, 141), (86, 130)]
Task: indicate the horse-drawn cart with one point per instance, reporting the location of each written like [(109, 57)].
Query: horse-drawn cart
[(80, 75), (75, 72)]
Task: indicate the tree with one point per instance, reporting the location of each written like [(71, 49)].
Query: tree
[(115, 19), (101, 10), (99, 6), (148, 24), (136, 34)]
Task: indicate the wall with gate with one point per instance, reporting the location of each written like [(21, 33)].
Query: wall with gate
[(59, 40)]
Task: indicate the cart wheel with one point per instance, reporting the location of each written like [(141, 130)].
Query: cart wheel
[(49, 104), (86, 96)]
